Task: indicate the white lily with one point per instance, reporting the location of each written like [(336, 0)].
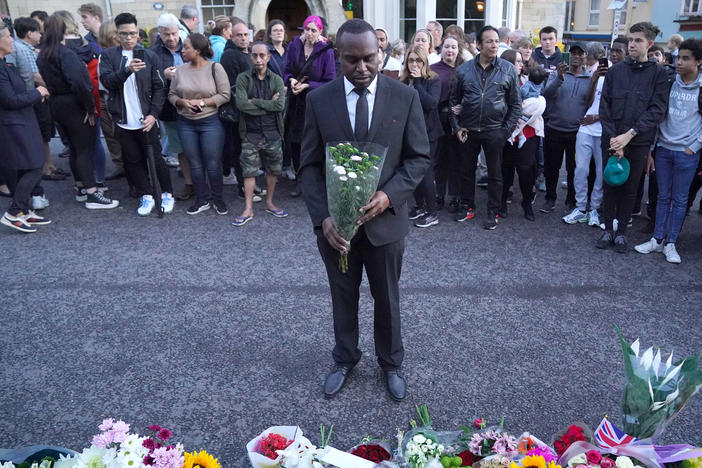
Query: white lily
[(635, 347), (657, 362), (670, 398), (671, 375), (647, 359), (669, 362)]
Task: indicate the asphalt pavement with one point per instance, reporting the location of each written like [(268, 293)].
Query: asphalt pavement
[(218, 332)]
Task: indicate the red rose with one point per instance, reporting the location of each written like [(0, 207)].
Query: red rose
[(593, 457), (566, 439), (607, 463), (467, 458), (560, 447), (478, 423)]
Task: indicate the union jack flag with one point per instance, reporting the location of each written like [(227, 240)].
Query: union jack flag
[(608, 435)]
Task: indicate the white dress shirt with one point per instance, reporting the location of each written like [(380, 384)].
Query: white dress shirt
[(352, 99)]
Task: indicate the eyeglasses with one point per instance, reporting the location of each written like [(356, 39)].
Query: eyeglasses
[(128, 33), (419, 61)]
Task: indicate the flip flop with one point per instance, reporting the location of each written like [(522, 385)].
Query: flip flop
[(241, 220), (278, 213)]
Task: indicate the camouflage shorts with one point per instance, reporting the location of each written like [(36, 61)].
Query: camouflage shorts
[(268, 154)]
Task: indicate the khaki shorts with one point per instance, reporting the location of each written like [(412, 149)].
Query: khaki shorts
[(268, 154)]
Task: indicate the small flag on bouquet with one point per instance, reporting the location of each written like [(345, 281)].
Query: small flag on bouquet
[(608, 435)]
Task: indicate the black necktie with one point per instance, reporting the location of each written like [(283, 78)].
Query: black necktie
[(361, 126)]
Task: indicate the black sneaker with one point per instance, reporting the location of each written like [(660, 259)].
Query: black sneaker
[(510, 194), (620, 244), (98, 201), (491, 223), (503, 211), (606, 241), (417, 212), (439, 203), (453, 206), (80, 193), (198, 207), (429, 220), (548, 206), (464, 214), (220, 207)]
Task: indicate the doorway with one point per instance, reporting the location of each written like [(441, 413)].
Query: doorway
[(292, 13)]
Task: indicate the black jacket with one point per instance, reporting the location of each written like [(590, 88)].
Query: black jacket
[(67, 76), (150, 83), (234, 60), (165, 58), (548, 63), (497, 105), (634, 95), (429, 94)]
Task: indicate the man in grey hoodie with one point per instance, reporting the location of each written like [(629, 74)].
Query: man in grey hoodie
[(677, 151), (566, 103)]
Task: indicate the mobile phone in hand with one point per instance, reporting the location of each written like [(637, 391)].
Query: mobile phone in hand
[(603, 62), (140, 54), (566, 58)]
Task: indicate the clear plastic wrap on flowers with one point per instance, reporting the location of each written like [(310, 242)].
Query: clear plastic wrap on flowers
[(656, 390), (258, 460), (585, 455), (575, 432), (375, 450), (420, 448), (352, 175)]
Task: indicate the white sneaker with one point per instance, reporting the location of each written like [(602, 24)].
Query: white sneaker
[(146, 206), (39, 202), (671, 255), (650, 246), (593, 218), (172, 161), (615, 225), (229, 179), (289, 174), (167, 202), (576, 216)]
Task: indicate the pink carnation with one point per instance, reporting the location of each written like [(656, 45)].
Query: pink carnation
[(164, 434), (121, 426), (106, 424), (102, 440)]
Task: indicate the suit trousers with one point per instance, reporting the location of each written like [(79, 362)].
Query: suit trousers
[(383, 265), (492, 143), (555, 143)]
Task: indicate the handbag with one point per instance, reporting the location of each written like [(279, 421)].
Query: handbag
[(227, 113)]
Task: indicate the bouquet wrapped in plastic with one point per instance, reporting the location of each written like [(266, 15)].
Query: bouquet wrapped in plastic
[(374, 450), (352, 174), (420, 447), (655, 391), (266, 450)]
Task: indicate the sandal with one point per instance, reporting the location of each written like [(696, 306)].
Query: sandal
[(241, 220), (278, 213), (53, 176)]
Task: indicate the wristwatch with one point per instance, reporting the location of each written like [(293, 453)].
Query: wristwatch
[(633, 132), (203, 103)]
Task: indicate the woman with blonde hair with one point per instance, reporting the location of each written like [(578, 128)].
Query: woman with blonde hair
[(423, 38), (416, 73), (219, 30)]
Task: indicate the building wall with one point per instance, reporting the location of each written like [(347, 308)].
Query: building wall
[(535, 14), (635, 12)]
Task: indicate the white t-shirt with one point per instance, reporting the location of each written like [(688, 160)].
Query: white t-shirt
[(434, 58), (131, 98), (594, 129)]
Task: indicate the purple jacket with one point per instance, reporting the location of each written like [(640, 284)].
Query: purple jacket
[(322, 70)]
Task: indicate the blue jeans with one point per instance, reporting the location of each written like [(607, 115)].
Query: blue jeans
[(674, 172), (202, 141), (99, 156)]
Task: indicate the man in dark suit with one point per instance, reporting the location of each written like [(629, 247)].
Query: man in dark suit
[(363, 105)]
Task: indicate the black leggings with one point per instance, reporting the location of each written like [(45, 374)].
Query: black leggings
[(69, 113), (22, 187), (522, 160), (425, 193), (619, 201), (446, 168)]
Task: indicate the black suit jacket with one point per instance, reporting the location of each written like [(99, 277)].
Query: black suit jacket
[(397, 122)]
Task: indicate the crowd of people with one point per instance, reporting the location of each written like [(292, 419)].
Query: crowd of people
[(228, 106)]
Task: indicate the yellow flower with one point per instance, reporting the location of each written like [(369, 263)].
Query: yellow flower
[(535, 461), (200, 460), (553, 465)]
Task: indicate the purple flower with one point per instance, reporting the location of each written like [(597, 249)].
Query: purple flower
[(148, 460), (545, 452), (164, 434), (121, 426), (154, 427), (106, 424), (149, 443), (102, 440), (118, 437)]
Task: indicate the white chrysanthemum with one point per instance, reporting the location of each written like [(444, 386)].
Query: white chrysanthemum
[(7, 465), (356, 158), (343, 178), (352, 175), (358, 188), (419, 438), (64, 462), (340, 170), (91, 458)]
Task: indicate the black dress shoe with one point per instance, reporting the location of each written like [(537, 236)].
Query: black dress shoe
[(335, 381), (396, 385), (529, 212)]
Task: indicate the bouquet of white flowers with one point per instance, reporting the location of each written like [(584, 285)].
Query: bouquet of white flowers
[(352, 174)]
